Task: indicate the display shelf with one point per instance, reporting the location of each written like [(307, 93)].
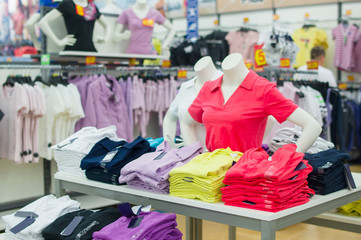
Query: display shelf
[(265, 222)]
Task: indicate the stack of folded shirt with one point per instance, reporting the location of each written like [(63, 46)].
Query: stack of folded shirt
[(290, 135), (48, 209), (151, 170), (69, 153), (328, 173), (202, 177), (271, 184), (105, 160), (351, 209), (91, 221), (152, 225)]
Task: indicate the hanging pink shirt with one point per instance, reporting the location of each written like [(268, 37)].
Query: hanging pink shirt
[(345, 37), (140, 41), (243, 43)]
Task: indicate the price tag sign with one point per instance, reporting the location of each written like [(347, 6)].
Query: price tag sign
[(350, 78), (166, 63), (342, 86), (79, 10), (148, 22), (216, 22), (45, 59), (182, 74), (258, 69), (132, 62), (9, 59), (248, 64), (312, 65), (276, 17), (285, 63), (348, 12), (90, 60), (246, 20), (260, 57)]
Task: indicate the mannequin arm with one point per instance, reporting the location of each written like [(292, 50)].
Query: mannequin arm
[(102, 21), (170, 36), (45, 27), (169, 130), (30, 26), (270, 123), (311, 129), (119, 35), (188, 129)]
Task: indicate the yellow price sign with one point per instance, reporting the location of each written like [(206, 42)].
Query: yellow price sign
[(245, 20), (348, 12), (312, 65), (9, 59), (216, 22), (79, 10), (147, 22), (258, 69), (90, 60), (260, 57), (248, 64), (276, 17), (307, 15), (182, 74), (342, 86), (166, 63), (132, 62), (285, 63), (351, 78)]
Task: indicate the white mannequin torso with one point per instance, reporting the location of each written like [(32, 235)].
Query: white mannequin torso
[(235, 71), (141, 9), (205, 71)]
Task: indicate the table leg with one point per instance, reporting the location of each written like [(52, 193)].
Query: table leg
[(198, 229), (268, 230), (231, 232), (189, 228), (59, 191)]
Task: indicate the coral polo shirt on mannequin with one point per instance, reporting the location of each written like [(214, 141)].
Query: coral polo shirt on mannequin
[(239, 123)]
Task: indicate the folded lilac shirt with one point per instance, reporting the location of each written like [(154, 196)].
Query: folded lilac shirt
[(140, 41), (151, 170), (154, 226), (105, 106)]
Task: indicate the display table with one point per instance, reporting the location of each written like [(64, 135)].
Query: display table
[(265, 222)]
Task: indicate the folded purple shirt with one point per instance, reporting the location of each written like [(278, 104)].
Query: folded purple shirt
[(154, 226)]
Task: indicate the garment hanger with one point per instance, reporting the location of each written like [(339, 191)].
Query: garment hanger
[(40, 79), (10, 81)]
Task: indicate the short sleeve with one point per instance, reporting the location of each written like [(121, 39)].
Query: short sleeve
[(277, 105), (229, 37), (97, 14), (159, 18), (195, 109), (123, 18), (64, 7)]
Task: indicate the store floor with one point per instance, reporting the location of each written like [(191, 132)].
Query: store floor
[(300, 231)]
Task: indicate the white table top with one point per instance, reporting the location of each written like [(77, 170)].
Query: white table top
[(217, 207)]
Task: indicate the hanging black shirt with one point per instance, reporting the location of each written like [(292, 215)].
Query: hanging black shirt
[(80, 22)]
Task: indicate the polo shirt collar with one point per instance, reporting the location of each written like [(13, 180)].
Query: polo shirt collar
[(105, 89), (247, 82)]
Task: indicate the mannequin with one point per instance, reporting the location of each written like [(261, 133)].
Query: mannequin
[(139, 30), (238, 86), (205, 71), (69, 41)]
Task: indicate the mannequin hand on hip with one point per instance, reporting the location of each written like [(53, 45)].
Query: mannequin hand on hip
[(68, 40), (165, 52), (122, 36), (99, 39)]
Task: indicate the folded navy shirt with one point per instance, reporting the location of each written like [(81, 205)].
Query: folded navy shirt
[(114, 155)]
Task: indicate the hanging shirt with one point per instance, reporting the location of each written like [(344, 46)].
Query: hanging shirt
[(79, 21), (345, 38), (357, 54), (237, 123), (306, 39), (242, 42), (14, 103), (140, 41), (38, 113), (105, 106)]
